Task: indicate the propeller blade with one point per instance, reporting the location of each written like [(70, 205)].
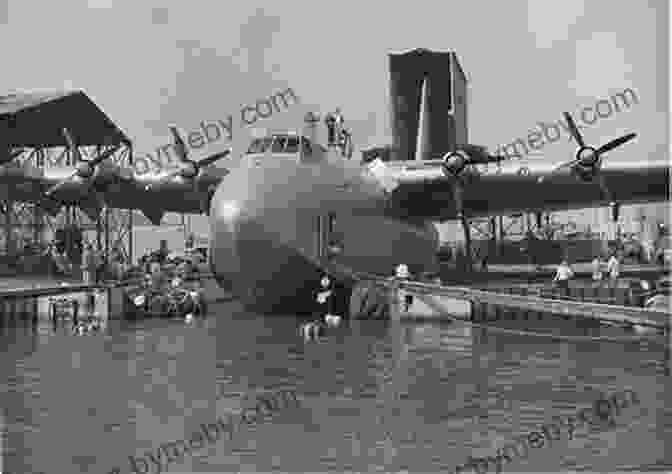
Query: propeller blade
[(568, 164), (603, 186), (180, 147), (615, 143), (458, 194), (94, 162), (103, 156), (574, 131), (71, 144), (207, 161), (60, 185)]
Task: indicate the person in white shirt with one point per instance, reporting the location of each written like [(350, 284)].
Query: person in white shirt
[(339, 122), (597, 269), (613, 267), (563, 274)]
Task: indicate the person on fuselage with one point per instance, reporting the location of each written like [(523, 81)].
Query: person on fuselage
[(339, 123), (330, 121), (324, 296)]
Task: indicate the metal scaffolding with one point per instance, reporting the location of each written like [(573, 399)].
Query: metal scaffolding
[(26, 223), (33, 146)]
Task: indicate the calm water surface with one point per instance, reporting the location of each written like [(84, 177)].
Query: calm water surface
[(375, 396)]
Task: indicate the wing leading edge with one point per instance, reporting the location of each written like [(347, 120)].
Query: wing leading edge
[(423, 190)]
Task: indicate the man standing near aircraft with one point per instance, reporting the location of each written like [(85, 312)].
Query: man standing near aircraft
[(330, 120), (88, 265), (613, 267), (563, 274), (338, 117)]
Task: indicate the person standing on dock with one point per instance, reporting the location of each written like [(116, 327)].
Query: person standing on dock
[(402, 274), (597, 269), (614, 268), (88, 265), (562, 275)]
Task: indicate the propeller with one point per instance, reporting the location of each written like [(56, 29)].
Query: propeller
[(188, 170), (82, 176), (587, 161), (84, 170), (454, 165)]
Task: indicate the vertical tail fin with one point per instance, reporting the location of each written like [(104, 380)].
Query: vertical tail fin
[(422, 143)]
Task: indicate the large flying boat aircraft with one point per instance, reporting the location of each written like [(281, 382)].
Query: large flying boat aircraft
[(293, 209)]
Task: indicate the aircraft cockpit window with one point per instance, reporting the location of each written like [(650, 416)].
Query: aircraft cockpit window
[(292, 145), (259, 145), (279, 144)]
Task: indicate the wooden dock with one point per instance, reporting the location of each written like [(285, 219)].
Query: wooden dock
[(432, 294)]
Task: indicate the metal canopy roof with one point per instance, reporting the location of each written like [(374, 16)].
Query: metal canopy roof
[(37, 119)]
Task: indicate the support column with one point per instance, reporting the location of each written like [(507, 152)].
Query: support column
[(10, 247)]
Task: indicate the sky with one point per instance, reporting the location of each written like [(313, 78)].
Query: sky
[(151, 64)]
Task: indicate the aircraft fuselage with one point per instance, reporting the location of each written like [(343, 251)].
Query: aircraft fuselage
[(271, 219)]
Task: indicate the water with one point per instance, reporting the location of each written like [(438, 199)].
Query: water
[(374, 396)]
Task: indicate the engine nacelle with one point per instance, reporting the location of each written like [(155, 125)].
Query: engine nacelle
[(587, 164), (84, 169), (454, 162), (189, 171), (585, 173)]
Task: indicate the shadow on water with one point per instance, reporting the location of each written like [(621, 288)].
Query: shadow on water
[(373, 394)]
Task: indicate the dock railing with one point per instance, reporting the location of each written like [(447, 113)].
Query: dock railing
[(619, 314)]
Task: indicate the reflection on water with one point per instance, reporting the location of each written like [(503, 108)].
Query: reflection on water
[(374, 396)]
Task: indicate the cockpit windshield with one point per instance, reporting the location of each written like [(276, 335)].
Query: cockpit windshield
[(260, 145), (280, 144), (292, 145)]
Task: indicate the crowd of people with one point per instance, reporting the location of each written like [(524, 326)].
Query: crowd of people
[(612, 268)]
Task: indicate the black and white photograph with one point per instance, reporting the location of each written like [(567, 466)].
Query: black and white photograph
[(350, 237)]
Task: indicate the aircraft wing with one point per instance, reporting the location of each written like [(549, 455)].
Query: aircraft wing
[(156, 194), (187, 188), (112, 186), (422, 189)]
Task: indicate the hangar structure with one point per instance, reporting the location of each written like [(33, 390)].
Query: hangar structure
[(31, 128)]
